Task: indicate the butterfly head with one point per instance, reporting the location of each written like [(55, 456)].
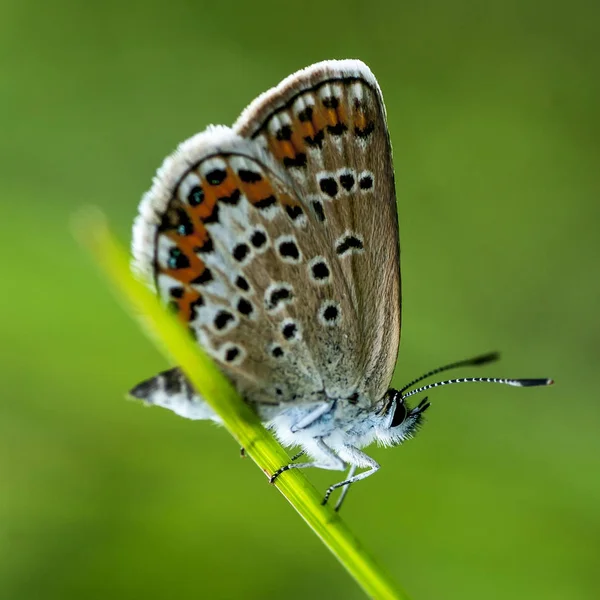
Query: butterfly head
[(400, 420)]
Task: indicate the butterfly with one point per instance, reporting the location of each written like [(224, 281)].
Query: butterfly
[(276, 243)]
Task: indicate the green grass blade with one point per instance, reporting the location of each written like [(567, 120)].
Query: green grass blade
[(239, 419)]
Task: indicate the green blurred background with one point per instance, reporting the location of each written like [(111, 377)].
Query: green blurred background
[(494, 116)]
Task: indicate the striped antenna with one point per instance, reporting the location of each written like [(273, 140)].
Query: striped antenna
[(482, 359), (513, 382)]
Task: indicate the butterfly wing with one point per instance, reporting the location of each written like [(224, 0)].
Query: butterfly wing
[(287, 286), (326, 126)]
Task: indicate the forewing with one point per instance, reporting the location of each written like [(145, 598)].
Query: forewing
[(326, 127)]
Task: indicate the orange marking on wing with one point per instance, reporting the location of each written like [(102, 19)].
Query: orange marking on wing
[(331, 116), (200, 235), (184, 304), (226, 188), (257, 191), (321, 117), (206, 207), (197, 265), (360, 119), (212, 193), (342, 113), (297, 140), (282, 149), (305, 128), (288, 201)]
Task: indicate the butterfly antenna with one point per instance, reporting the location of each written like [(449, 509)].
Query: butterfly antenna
[(483, 359), (513, 382)]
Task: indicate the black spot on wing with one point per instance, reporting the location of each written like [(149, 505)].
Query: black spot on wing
[(265, 202), (204, 277), (232, 353), (258, 239), (366, 131), (242, 283), (330, 313), (294, 212), (245, 307), (216, 176), (278, 296), (289, 331), (297, 161), (284, 134), (177, 259), (347, 181), (347, 244), (337, 129), (205, 248), (331, 102), (365, 182), (329, 186), (178, 220), (195, 196), (222, 318), (233, 198), (288, 249), (240, 252), (194, 306), (318, 208), (248, 176), (315, 141), (320, 270), (214, 215), (305, 114)]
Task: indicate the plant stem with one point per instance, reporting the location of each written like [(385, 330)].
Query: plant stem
[(239, 419)]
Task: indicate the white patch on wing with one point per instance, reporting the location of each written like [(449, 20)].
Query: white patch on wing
[(190, 181)]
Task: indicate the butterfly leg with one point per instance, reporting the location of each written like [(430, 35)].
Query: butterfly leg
[(358, 458), (328, 459), (298, 455), (313, 415), (345, 488)]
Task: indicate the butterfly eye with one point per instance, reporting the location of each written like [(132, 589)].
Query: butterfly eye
[(399, 414)]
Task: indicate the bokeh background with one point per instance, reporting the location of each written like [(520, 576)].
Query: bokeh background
[(493, 111)]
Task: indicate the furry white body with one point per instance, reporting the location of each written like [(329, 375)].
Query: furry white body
[(319, 429)]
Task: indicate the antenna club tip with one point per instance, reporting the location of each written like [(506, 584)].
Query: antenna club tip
[(534, 382)]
